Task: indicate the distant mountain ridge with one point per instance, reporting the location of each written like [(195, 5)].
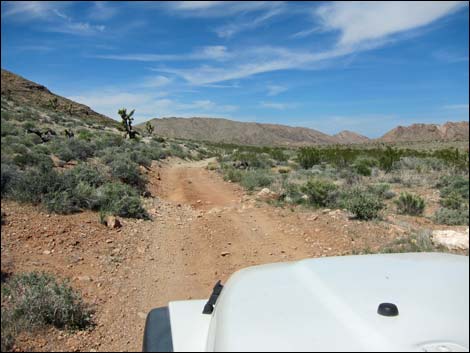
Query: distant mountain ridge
[(428, 132), (229, 131), (21, 92)]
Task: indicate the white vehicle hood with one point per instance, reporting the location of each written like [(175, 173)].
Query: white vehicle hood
[(331, 304)]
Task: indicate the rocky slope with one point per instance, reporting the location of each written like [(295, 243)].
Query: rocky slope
[(18, 92), (428, 132), (347, 137)]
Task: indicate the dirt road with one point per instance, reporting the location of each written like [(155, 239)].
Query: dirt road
[(203, 230)]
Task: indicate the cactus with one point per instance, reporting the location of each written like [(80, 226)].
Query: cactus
[(127, 120)]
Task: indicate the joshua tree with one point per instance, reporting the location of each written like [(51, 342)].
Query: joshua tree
[(54, 103), (127, 120), (149, 128), (69, 133)]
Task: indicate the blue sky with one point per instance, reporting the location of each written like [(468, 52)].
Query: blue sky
[(361, 66)]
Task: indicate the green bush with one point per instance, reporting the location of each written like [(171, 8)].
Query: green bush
[(128, 172), (232, 174), (320, 192), (363, 166), (88, 174), (417, 242), (120, 200), (252, 179), (382, 190), (36, 300), (454, 184), (410, 204), (363, 204), (452, 200), (308, 157), (9, 175), (452, 217)]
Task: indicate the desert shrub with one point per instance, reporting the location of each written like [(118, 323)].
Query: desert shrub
[(108, 140), (350, 176), (454, 184), (9, 175), (252, 179), (410, 204), (308, 157), (363, 166), (128, 172), (61, 202), (452, 217), (32, 158), (158, 139), (292, 193), (141, 158), (252, 159), (33, 184), (73, 149), (84, 134), (452, 200), (121, 200), (382, 190), (232, 174), (417, 242), (36, 300), (87, 174), (320, 192), (362, 203), (278, 155), (9, 129)]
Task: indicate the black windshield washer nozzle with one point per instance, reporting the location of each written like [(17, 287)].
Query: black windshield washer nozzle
[(387, 309)]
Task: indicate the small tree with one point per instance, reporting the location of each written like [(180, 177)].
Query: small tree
[(127, 120), (149, 128)]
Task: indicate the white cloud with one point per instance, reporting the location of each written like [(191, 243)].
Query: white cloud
[(362, 21), (278, 106), (274, 90), (229, 30), (218, 8), (148, 105), (156, 81), (50, 12), (102, 10), (217, 52)]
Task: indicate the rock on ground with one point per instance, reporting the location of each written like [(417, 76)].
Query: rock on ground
[(451, 239)]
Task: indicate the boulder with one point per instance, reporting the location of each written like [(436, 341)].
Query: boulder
[(451, 239), (266, 194)]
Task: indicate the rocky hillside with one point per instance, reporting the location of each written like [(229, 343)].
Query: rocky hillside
[(228, 131), (457, 131), (18, 92), (347, 137)]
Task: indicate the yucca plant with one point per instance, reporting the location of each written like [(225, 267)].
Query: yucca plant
[(410, 204)]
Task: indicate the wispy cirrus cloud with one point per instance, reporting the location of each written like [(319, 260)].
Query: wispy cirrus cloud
[(244, 24), (361, 26), (52, 13), (274, 90), (278, 105), (216, 52), (149, 104)]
